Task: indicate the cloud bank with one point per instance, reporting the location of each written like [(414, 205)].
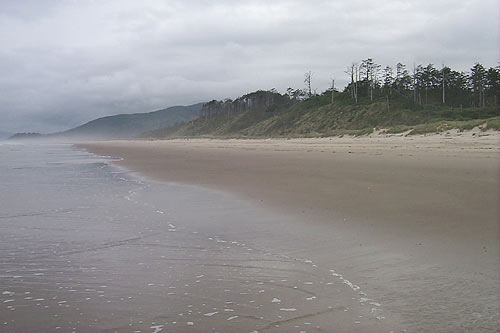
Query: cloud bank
[(64, 62)]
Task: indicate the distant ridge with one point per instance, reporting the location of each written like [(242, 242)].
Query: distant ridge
[(124, 126), (25, 136)]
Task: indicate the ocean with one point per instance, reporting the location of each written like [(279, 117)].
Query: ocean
[(89, 246)]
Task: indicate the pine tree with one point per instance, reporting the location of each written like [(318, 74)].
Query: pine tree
[(477, 81), (388, 79), (493, 84), (403, 79)]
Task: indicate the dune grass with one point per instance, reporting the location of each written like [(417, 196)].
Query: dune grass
[(319, 117)]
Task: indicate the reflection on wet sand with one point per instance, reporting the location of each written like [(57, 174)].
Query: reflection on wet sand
[(107, 254)]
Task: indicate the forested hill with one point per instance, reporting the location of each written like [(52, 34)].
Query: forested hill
[(428, 100), (131, 125)]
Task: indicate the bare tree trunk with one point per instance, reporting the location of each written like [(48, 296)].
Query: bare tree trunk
[(444, 101), (307, 81), (370, 86), (480, 99), (356, 86), (414, 83), (333, 88), (352, 81), (352, 71), (484, 97)]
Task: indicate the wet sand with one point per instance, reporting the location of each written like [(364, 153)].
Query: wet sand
[(93, 248), (413, 221)]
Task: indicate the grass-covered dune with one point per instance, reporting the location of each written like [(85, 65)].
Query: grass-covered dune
[(319, 116)]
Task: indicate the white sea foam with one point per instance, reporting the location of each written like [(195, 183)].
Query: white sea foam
[(210, 314), (157, 328), (363, 299)]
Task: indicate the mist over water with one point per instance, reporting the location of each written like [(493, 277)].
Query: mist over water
[(88, 246)]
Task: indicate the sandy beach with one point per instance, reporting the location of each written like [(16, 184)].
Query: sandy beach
[(414, 221)]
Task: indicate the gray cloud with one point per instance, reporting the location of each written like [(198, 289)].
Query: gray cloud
[(65, 62)]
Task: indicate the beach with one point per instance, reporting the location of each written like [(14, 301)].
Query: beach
[(414, 220)]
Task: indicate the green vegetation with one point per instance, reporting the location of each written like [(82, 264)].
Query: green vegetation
[(317, 116), (428, 101), (443, 126), (493, 124)]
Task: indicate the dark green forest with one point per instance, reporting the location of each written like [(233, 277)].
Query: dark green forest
[(426, 84)]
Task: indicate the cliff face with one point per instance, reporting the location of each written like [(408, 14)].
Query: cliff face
[(256, 100)]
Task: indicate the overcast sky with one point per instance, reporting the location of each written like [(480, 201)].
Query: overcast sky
[(64, 62)]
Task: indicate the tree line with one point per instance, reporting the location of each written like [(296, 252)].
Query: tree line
[(425, 83), (422, 84)]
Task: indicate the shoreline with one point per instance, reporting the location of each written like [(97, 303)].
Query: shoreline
[(412, 217)]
